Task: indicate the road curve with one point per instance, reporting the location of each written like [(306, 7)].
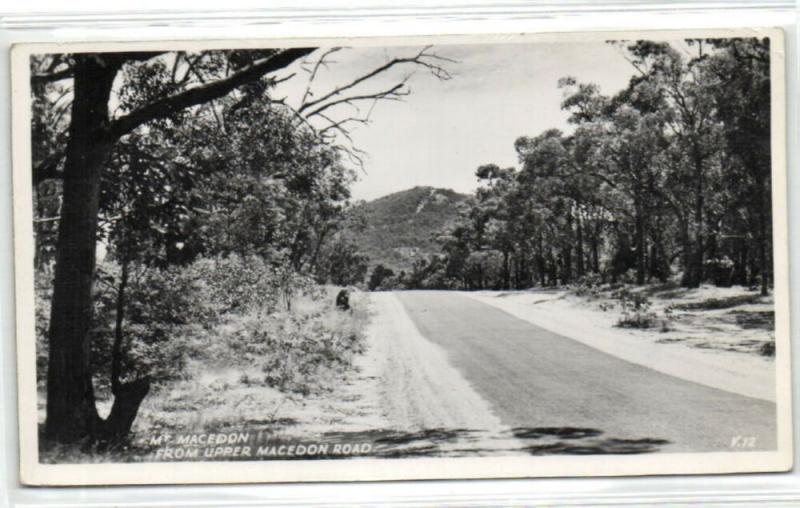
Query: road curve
[(535, 379)]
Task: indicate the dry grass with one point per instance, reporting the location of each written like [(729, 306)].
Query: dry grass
[(265, 361), (729, 319), (255, 365)]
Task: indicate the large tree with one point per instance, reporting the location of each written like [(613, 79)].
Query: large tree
[(115, 96), (738, 76), (71, 411)]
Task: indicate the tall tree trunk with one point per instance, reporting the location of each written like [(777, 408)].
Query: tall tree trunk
[(71, 411), (740, 262), (763, 251), (313, 262), (506, 270), (540, 262), (686, 252), (127, 396), (639, 226), (595, 253), (119, 319), (579, 247), (698, 254)]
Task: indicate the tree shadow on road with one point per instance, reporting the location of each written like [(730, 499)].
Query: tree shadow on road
[(398, 443), (561, 432), (441, 442), (583, 441)]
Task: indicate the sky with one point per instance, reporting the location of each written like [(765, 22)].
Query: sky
[(440, 133)]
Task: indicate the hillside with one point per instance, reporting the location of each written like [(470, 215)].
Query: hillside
[(401, 227)]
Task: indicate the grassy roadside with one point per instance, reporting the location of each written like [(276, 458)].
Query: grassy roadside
[(255, 371), (735, 319)]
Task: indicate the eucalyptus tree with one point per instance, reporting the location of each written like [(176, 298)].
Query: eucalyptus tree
[(91, 104), (92, 134), (738, 80), (695, 134), (494, 207)]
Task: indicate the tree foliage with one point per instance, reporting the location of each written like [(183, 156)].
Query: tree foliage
[(670, 177)]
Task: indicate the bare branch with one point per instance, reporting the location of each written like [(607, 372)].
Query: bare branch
[(175, 63), (355, 155), (319, 63), (278, 81), (423, 58), (297, 115), (394, 93), (311, 107), (337, 126), (191, 69), (340, 124)]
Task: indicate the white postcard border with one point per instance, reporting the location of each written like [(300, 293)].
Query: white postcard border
[(34, 473)]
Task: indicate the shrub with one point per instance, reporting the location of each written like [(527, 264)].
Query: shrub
[(635, 310), (169, 315), (298, 350), (379, 276), (245, 283), (637, 320), (588, 285), (231, 312), (720, 270), (628, 276)]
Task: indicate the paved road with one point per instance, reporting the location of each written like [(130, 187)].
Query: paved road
[(535, 379)]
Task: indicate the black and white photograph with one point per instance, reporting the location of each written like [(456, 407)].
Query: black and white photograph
[(402, 258)]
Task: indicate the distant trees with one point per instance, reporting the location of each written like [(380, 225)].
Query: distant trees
[(379, 276), (342, 264), (670, 176)]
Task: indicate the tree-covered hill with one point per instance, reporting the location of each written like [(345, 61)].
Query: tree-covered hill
[(400, 228)]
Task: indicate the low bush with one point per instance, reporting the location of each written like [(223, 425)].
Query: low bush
[(588, 285), (635, 310), (226, 311), (298, 350), (637, 320), (720, 303), (720, 270)]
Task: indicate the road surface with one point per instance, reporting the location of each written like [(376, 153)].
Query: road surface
[(539, 383)]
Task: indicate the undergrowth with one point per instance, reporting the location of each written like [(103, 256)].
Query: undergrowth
[(227, 338), (635, 310)]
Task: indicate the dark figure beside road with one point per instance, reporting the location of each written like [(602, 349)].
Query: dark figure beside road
[(343, 300)]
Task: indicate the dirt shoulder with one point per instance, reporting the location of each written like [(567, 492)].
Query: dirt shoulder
[(709, 336), (420, 401)]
